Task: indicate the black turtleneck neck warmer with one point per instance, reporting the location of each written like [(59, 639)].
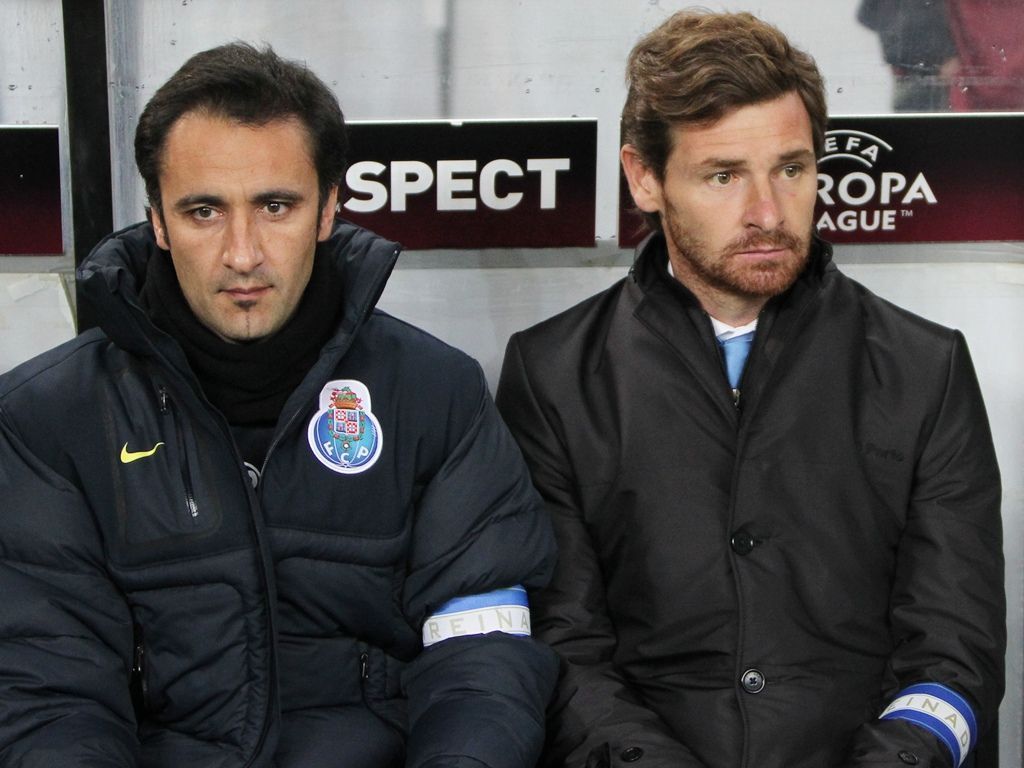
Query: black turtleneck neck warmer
[(248, 382)]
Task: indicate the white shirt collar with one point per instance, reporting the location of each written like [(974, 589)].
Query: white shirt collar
[(724, 331)]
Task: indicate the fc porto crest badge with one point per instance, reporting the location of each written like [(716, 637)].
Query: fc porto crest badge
[(344, 434)]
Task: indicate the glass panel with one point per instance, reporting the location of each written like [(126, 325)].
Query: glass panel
[(959, 55), (32, 93)]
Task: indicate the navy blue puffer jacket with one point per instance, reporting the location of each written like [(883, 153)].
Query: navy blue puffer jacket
[(340, 615)]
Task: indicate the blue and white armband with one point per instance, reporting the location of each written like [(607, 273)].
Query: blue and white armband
[(940, 710), (503, 610)]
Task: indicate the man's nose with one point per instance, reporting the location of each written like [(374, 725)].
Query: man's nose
[(763, 209), (242, 252)]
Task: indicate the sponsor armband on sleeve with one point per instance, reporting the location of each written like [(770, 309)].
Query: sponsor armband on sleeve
[(940, 710), (503, 610)]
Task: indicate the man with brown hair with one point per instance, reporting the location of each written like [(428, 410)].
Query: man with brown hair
[(775, 494)]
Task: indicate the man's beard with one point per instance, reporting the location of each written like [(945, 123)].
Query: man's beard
[(725, 273)]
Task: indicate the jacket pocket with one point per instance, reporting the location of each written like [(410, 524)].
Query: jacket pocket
[(138, 686), (167, 411), (380, 676), (157, 479)]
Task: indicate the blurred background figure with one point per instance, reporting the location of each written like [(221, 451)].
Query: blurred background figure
[(918, 45), (988, 71)]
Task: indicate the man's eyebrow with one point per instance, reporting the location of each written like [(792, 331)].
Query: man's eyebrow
[(200, 199), (729, 162), (721, 162), (277, 196), (797, 154)]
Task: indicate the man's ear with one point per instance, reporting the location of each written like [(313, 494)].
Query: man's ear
[(156, 220), (327, 214), (643, 184)]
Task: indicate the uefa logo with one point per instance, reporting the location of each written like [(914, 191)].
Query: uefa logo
[(856, 194)]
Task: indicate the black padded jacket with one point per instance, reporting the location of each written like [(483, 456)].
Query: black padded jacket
[(752, 586), (282, 626)]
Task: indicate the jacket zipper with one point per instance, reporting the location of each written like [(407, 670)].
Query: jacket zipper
[(166, 408), (137, 665), (137, 685), (186, 473), (271, 631), (254, 495)]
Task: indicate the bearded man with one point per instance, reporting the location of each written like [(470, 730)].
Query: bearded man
[(775, 495)]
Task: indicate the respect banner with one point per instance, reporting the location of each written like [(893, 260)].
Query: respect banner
[(474, 184)]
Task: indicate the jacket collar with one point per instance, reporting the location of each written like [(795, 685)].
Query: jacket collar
[(671, 311), (651, 257), (111, 277)]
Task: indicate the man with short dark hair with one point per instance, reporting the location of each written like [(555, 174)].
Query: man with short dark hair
[(775, 495), (253, 521)]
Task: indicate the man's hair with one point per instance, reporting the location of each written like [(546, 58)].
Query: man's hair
[(254, 87), (698, 66)]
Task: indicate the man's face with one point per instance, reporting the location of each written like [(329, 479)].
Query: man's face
[(736, 204), (241, 219)]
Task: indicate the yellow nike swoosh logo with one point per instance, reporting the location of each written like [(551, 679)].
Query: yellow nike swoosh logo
[(127, 457)]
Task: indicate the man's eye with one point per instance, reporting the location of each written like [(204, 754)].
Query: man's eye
[(721, 178), (792, 171), (204, 213), (276, 208)]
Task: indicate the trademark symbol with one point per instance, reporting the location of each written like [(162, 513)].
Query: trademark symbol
[(906, 213)]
